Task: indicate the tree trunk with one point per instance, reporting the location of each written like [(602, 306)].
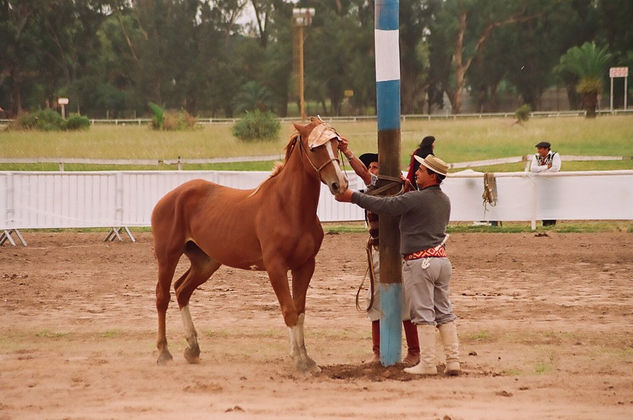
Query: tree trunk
[(460, 69), (590, 102), (461, 66)]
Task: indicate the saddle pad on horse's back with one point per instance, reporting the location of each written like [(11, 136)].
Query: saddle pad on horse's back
[(321, 134)]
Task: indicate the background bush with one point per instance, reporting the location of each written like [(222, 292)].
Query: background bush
[(158, 118), (171, 120), (257, 125), (76, 122), (523, 112), (44, 119), (49, 120)]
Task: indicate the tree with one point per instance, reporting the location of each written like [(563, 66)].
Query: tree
[(588, 64), (470, 25), (253, 96), (19, 55)]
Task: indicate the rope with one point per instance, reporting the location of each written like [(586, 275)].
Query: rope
[(372, 280), (489, 195), (391, 180)]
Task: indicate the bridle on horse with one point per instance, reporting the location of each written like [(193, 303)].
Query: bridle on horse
[(326, 163), (319, 136)]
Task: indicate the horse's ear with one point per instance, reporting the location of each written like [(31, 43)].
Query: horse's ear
[(300, 128)]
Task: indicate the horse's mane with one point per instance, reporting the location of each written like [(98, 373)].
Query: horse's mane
[(279, 166)]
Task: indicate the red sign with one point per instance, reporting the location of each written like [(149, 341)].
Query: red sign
[(618, 72)]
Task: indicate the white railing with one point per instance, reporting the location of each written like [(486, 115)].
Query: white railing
[(356, 118), (30, 200), (179, 162)]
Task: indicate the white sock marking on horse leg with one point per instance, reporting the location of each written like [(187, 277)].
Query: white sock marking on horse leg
[(187, 322), (297, 345)]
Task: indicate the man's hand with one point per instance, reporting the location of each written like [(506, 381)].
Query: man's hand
[(408, 186), (343, 146), (345, 197), (549, 166)]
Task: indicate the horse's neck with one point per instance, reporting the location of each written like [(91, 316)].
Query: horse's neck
[(300, 188)]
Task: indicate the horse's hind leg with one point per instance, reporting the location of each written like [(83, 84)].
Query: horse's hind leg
[(202, 267), (166, 269)]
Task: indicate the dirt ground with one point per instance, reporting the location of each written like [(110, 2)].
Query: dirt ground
[(545, 323)]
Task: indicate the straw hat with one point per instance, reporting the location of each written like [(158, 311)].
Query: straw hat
[(433, 163)]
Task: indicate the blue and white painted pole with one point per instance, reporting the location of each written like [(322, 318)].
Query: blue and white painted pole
[(387, 51)]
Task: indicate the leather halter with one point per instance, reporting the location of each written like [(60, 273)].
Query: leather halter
[(320, 168)]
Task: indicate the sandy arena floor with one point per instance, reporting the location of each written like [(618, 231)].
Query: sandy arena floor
[(546, 327)]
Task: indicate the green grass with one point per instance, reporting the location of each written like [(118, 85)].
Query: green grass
[(480, 335), (508, 227), (111, 334), (457, 141), (50, 334)]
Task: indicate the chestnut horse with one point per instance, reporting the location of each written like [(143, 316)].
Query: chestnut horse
[(273, 228)]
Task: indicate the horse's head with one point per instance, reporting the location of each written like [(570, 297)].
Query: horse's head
[(319, 143)]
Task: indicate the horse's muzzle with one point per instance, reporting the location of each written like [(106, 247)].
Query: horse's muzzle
[(338, 188)]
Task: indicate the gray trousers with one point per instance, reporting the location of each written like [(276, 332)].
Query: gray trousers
[(375, 313), (426, 283)]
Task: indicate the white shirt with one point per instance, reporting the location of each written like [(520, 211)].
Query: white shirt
[(552, 157)]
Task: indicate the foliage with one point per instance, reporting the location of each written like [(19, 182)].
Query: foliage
[(171, 120), (50, 120), (587, 64), (586, 61), (253, 96), (523, 112), (111, 58), (179, 120), (76, 122), (158, 118), (45, 120), (257, 125)]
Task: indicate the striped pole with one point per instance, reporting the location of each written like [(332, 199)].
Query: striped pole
[(388, 110)]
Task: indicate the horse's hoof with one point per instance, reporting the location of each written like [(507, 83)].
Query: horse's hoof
[(307, 366), (192, 354), (164, 357)]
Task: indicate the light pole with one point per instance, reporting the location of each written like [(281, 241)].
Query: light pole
[(301, 18)]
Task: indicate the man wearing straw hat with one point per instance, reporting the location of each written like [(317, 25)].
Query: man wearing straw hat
[(426, 270), (367, 168)]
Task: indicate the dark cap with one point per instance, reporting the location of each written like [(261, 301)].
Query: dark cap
[(543, 144), (368, 158)]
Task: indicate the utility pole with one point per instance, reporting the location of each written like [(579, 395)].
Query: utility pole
[(387, 52), (301, 18)]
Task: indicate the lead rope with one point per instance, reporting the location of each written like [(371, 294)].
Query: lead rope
[(372, 279)]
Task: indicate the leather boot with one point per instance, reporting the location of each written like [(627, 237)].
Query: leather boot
[(375, 339), (426, 366), (448, 334), (413, 344)]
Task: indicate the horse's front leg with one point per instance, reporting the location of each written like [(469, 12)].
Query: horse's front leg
[(300, 281), (278, 275)]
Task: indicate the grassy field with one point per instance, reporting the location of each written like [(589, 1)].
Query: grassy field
[(457, 141)]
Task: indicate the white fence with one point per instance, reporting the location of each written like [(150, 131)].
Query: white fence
[(120, 198), (355, 118)]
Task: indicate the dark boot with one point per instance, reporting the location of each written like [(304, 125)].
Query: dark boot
[(375, 339), (413, 344)]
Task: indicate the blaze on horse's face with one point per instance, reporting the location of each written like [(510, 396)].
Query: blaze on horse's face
[(321, 146)]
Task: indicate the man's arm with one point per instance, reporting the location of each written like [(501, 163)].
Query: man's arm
[(393, 206), (357, 165), (556, 162), (535, 167)]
